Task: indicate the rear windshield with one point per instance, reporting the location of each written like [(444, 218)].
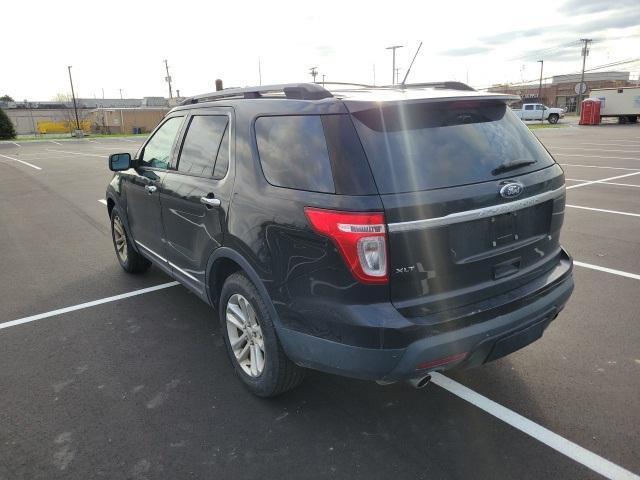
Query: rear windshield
[(422, 146)]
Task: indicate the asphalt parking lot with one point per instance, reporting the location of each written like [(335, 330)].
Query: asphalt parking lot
[(136, 384)]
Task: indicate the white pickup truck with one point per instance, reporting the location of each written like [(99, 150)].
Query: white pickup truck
[(534, 111)]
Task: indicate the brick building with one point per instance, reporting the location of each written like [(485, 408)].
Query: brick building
[(561, 90)]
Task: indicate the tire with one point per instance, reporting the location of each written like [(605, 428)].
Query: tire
[(278, 374), (553, 118), (130, 260), (633, 119), (623, 120)]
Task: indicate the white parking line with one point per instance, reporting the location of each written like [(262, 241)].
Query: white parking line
[(593, 156), (16, 144), (598, 166), (21, 161), (57, 143), (602, 180), (605, 211), (605, 144), (77, 153), (81, 306), (593, 149), (635, 276), (605, 183), (103, 201), (560, 444)]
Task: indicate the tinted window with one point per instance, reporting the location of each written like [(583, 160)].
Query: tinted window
[(222, 160), (201, 144), (157, 153), (432, 145), (293, 152), (528, 107)]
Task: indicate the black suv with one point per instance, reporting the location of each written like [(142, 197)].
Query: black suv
[(377, 233)]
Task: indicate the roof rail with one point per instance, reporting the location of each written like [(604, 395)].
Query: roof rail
[(298, 91), (448, 85)]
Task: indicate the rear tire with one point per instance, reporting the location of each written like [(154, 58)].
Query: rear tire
[(553, 118), (251, 340), (130, 260)]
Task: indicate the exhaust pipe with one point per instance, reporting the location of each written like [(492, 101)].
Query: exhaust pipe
[(420, 382)]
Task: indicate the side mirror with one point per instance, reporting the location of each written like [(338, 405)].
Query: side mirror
[(119, 162)]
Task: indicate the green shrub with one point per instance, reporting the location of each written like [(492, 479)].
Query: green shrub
[(6, 127)]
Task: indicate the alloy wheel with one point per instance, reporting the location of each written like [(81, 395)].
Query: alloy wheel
[(120, 239), (245, 335)]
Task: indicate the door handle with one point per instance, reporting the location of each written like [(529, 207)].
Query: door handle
[(210, 202), (150, 188)]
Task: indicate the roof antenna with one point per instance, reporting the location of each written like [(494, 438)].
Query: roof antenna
[(411, 65)]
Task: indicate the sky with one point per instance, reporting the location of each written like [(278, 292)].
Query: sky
[(123, 44)]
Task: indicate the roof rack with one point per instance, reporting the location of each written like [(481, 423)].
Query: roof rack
[(298, 91), (446, 85)]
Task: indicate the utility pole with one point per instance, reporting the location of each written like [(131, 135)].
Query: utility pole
[(393, 49), (168, 78), (314, 72), (73, 95), (323, 75), (120, 93), (540, 91), (585, 52), (259, 72), (374, 74), (397, 76)]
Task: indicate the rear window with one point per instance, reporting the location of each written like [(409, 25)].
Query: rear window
[(422, 146), (293, 152)]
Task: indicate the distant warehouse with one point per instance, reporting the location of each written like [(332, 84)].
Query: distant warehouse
[(129, 115), (563, 90)]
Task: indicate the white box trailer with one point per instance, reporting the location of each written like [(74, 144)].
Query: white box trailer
[(622, 102)]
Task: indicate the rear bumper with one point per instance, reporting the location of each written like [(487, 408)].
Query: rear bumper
[(480, 342)]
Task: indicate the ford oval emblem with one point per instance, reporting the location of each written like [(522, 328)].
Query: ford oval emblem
[(511, 190)]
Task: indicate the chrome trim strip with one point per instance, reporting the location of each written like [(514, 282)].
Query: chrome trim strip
[(186, 274), (151, 251), (478, 213)]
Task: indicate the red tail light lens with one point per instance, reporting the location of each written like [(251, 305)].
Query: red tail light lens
[(360, 237)]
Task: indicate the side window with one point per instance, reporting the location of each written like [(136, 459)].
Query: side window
[(201, 144), (293, 152), (539, 107), (528, 107), (222, 160), (157, 152)]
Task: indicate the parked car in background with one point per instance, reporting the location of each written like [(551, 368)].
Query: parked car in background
[(536, 111), (376, 233), (622, 102)]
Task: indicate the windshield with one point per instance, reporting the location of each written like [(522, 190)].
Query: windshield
[(423, 146)]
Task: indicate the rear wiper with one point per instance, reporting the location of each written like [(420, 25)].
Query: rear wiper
[(505, 167)]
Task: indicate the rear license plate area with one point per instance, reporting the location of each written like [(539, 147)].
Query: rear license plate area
[(503, 229), (470, 240)]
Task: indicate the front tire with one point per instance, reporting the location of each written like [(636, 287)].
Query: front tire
[(130, 260), (553, 118), (251, 341)]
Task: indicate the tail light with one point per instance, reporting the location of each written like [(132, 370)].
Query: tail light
[(360, 237)]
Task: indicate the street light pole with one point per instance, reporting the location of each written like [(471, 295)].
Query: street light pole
[(393, 49), (73, 95), (540, 91)]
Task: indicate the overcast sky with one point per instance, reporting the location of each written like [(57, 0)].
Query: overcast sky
[(117, 44)]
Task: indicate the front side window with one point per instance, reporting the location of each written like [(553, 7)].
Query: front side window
[(202, 144), (157, 152), (293, 152)]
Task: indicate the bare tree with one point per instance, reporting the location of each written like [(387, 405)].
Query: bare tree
[(69, 116)]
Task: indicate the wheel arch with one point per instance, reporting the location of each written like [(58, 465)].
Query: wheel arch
[(225, 261)]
